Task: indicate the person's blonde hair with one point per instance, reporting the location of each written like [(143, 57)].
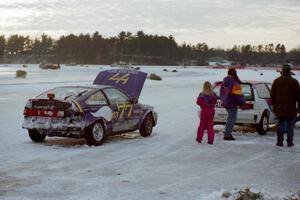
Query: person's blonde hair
[(207, 88)]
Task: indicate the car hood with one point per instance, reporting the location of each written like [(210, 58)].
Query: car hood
[(130, 81)]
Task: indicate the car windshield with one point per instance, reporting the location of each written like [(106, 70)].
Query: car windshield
[(64, 93), (246, 88)]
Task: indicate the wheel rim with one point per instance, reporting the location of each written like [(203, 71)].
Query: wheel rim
[(98, 132), (148, 125), (265, 123)]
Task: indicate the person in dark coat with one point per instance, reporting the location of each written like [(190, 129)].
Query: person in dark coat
[(232, 97), (285, 94)]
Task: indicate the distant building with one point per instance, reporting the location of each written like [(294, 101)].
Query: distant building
[(218, 61)]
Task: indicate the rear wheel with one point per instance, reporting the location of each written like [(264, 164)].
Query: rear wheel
[(263, 125), (95, 134), (147, 126), (35, 135)]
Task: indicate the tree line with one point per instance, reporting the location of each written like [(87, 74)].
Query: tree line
[(136, 48)]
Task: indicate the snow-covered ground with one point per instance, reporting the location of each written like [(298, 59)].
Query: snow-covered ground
[(167, 165)]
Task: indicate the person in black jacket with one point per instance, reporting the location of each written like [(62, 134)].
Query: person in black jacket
[(285, 94)]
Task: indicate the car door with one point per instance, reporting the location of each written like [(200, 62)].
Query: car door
[(263, 92), (122, 108)]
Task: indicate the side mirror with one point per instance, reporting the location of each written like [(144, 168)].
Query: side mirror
[(134, 100)]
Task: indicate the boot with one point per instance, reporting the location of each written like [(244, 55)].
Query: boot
[(279, 139), (229, 138), (290, 144), (280, 144)]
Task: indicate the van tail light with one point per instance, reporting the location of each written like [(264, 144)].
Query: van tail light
[(249, 106)]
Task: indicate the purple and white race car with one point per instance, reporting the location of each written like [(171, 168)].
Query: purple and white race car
[(109, 106)]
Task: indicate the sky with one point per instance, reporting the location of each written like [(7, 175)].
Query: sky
[(219, 23)]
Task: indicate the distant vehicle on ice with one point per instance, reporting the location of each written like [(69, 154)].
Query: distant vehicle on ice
[(109, 106), (122, 64), (258, 109), (49, 66), (218, 61)]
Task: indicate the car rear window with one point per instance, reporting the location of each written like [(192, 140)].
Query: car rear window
[(64, 93), (246, 88)]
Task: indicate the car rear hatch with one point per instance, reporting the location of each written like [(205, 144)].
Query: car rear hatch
[(247, 91), (57, 102), (47, 108), (130, 81), (245, 114)]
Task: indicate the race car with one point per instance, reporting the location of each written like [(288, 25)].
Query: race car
[(257, 111), (109, 106)]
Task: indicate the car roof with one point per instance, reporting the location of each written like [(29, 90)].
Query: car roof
[(86, 86), (252, 82)]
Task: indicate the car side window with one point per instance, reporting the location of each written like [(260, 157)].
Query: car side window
[(115, 96), (96, 99), (247, 91), (262, 91)]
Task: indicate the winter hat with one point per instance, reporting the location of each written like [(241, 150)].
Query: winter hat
[(286, 69)]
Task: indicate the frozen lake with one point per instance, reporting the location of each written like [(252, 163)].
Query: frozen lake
[(167, 165)]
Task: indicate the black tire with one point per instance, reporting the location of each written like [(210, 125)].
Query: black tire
[(147, 126), (263, 126), (36, 136), (95, 134)]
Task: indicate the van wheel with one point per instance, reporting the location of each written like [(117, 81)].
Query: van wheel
[(95, 134), (147, 126), (35, 135), (263, 125)]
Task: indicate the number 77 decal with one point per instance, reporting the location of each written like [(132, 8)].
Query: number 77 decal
[(122, 108)]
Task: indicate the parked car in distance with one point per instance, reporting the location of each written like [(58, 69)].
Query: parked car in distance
[(49, 66), (257, 111), (109, 106)]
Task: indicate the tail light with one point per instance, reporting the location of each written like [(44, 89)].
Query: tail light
[(249, 106), (29, 112), (43, 113)]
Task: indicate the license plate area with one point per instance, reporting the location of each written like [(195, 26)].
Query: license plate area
[(222, 116)]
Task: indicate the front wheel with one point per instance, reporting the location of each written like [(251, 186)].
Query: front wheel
[(147, 126), (95, 134), (35, 135), (263, 125)]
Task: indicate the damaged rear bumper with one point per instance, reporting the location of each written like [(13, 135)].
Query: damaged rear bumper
[(66, 127)]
